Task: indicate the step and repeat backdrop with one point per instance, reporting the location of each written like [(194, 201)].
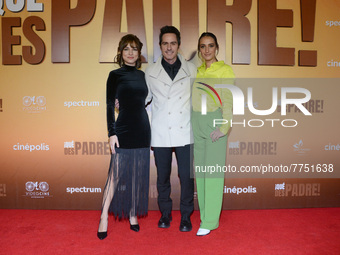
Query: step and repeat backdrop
[(283, 149)]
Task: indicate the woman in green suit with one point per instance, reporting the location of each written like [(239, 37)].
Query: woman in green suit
[(210, 142)]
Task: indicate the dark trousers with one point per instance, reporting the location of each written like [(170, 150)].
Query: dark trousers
[(163, 159)]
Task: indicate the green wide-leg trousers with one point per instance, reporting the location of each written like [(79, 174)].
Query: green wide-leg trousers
[(209, 160)]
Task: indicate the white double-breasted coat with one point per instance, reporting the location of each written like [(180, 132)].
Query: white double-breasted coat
[(171, 104)]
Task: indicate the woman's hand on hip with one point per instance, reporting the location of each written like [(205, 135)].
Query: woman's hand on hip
[(216, 134), (113, 143)]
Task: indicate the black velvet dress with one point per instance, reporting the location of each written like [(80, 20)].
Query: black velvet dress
[(128, 177)]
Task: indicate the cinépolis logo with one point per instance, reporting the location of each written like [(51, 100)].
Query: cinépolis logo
[(297, 189), (34, 104), (239, 190), (31, 147), (239, 106), (252, 148), (332, 147), (75, 148), (333, 63)]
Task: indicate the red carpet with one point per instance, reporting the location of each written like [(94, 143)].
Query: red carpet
[(284, 231)]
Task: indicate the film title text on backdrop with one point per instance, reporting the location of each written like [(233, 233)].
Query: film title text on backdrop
[(218, 13)]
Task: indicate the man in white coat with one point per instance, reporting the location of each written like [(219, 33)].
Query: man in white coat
[(169, 82)]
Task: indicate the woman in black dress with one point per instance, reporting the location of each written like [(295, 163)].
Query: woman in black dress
[(127, 187)]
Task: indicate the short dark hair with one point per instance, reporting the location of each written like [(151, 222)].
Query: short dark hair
[(124, 41), (170, 30)]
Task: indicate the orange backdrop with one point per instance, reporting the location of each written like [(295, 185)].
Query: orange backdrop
[(54, 152)]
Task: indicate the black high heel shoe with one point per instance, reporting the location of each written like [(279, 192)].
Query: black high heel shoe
[(135, 227), (102, 235)]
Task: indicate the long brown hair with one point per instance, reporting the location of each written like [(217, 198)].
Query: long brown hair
[(124, 41)]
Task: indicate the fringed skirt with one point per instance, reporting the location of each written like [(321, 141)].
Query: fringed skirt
[(128, 181)]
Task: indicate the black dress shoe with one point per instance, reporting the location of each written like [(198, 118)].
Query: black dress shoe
[(102, 235), (164, 221), (135, 227), (185, 225)]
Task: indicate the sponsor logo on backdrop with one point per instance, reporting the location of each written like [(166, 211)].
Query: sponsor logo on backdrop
[(34, 104), (333, 63), (332, 147), (72, 190), (37, 189), (313, 106), (86, 148), (297, 189), (81, 103), (239, 190), (0, 104), (252, 148), (333, 23), (31, 147), (300, 149), (3, 192)]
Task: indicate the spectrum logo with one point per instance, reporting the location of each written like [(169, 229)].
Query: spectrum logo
[(331, 23), (81, 103), (34, 104), (86, 148), (252, 148), (83, 190)]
